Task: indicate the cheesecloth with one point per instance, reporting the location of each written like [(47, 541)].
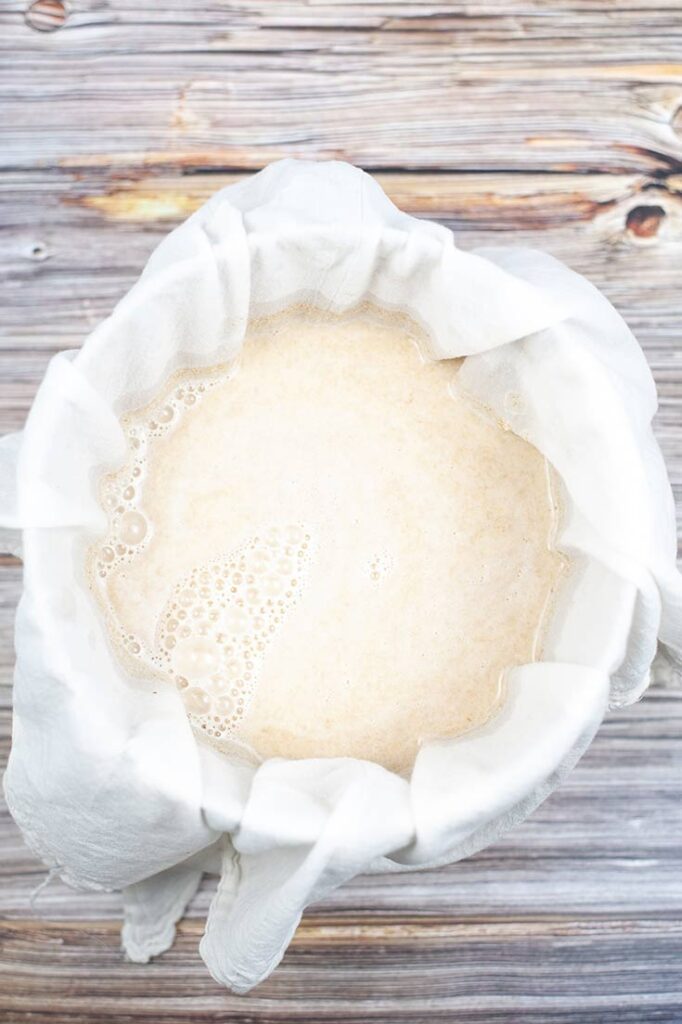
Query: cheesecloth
[(107, 781)]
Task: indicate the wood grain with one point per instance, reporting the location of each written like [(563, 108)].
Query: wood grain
[(521, 85), (472, 972), (517, 122)]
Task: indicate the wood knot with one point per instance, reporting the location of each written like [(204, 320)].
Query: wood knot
[(38, 251), (46, 15), (644, 221)]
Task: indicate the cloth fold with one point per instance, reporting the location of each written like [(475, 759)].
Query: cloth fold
[(153, 907)]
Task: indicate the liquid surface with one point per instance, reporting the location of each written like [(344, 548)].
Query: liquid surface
[(325, 546)]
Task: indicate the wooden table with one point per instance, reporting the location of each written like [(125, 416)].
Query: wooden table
[(525, 121)]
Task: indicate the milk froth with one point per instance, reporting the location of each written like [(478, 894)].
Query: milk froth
[(327, 548)]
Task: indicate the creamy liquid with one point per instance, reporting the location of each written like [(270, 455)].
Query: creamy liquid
[(328, 548)]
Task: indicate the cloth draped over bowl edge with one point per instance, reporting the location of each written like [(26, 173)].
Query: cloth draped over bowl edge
[(89, 780)]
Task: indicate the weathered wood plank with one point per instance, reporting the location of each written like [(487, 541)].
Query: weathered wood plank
[(611, 850), (73, 243), (475, 971), (522, 86)]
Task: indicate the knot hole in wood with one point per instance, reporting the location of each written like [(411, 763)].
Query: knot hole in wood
[(644, 221), (46, 15), (38, 251)]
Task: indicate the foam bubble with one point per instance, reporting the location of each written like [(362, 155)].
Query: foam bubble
[(197, 701), (132, 527), (220, 649), (380, 566)]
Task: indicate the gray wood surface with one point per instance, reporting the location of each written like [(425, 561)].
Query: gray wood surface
[(539, 123)]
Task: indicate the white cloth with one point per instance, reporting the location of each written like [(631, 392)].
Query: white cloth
[(106, 779)]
